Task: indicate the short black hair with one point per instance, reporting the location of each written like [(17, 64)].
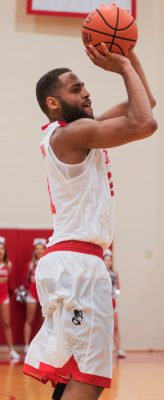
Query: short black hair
[(47, 85)]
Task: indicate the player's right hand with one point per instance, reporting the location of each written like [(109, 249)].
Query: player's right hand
[(109, 61)]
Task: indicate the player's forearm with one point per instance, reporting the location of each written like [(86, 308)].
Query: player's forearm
[(122, 109), (138, 68), (139, 111)]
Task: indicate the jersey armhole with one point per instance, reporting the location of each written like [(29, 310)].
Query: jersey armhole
[(69, 171)]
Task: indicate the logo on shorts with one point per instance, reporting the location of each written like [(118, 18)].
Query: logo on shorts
[(78, 317)]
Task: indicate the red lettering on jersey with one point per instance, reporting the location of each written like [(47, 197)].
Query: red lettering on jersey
[(53, 209), (106, 156), (42, 149), (109, 174)]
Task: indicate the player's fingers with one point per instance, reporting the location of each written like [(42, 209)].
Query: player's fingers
[(106, 52), (105, 49), (95, 52), (87, 51), (90, 55)]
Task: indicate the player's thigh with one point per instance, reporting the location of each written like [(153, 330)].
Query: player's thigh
[(31, 311), (78, 391), (5, 313)]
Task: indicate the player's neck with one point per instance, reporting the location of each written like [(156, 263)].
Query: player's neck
[(58, 117)]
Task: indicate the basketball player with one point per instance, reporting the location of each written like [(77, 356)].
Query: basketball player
[(32, 300), (74, 345)]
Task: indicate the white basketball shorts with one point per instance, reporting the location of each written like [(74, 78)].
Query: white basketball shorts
[(76, 338)]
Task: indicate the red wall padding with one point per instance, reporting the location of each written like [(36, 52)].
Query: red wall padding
[(20, 247)]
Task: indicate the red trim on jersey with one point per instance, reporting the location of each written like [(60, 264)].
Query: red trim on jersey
[(76, 246), (70, 369), (61, 123), (44, 127)]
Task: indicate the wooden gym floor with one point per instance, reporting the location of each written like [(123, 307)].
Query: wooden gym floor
[(139, 377)]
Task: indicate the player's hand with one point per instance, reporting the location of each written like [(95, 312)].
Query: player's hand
[(108, 61)]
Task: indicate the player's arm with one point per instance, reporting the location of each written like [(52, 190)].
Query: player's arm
[(139, 123), (122, 108)]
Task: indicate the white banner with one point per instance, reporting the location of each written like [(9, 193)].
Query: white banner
[(73, 6)]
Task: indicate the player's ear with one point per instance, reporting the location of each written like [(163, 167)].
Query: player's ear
[(53, 103)]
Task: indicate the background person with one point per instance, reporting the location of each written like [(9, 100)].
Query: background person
[(115, 291), (32, 300), (6, 287)]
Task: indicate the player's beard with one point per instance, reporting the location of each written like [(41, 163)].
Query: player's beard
[(72, 113)]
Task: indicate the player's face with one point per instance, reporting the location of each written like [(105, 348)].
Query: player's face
[(39, 251), (74, 98), (108, 262), (2, 252)]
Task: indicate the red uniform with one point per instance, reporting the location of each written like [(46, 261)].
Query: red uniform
[(29, 279), (5, 272)]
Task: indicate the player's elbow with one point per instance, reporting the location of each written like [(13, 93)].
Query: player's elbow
[(154, 126), (149, 127), (146, 128)]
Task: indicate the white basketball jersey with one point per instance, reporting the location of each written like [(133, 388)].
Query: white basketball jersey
[(81, 195)]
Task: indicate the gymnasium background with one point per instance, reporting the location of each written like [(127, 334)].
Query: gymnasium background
[(30, 46)]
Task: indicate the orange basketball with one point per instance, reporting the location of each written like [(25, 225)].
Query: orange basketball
[(112, 25)]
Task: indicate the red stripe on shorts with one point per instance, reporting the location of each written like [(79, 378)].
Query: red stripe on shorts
[(47, 372), (76, 246)]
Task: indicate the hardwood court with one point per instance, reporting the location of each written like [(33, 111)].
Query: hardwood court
[(139, 377)]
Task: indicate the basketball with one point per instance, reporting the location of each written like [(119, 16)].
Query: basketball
[(112, 25)]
